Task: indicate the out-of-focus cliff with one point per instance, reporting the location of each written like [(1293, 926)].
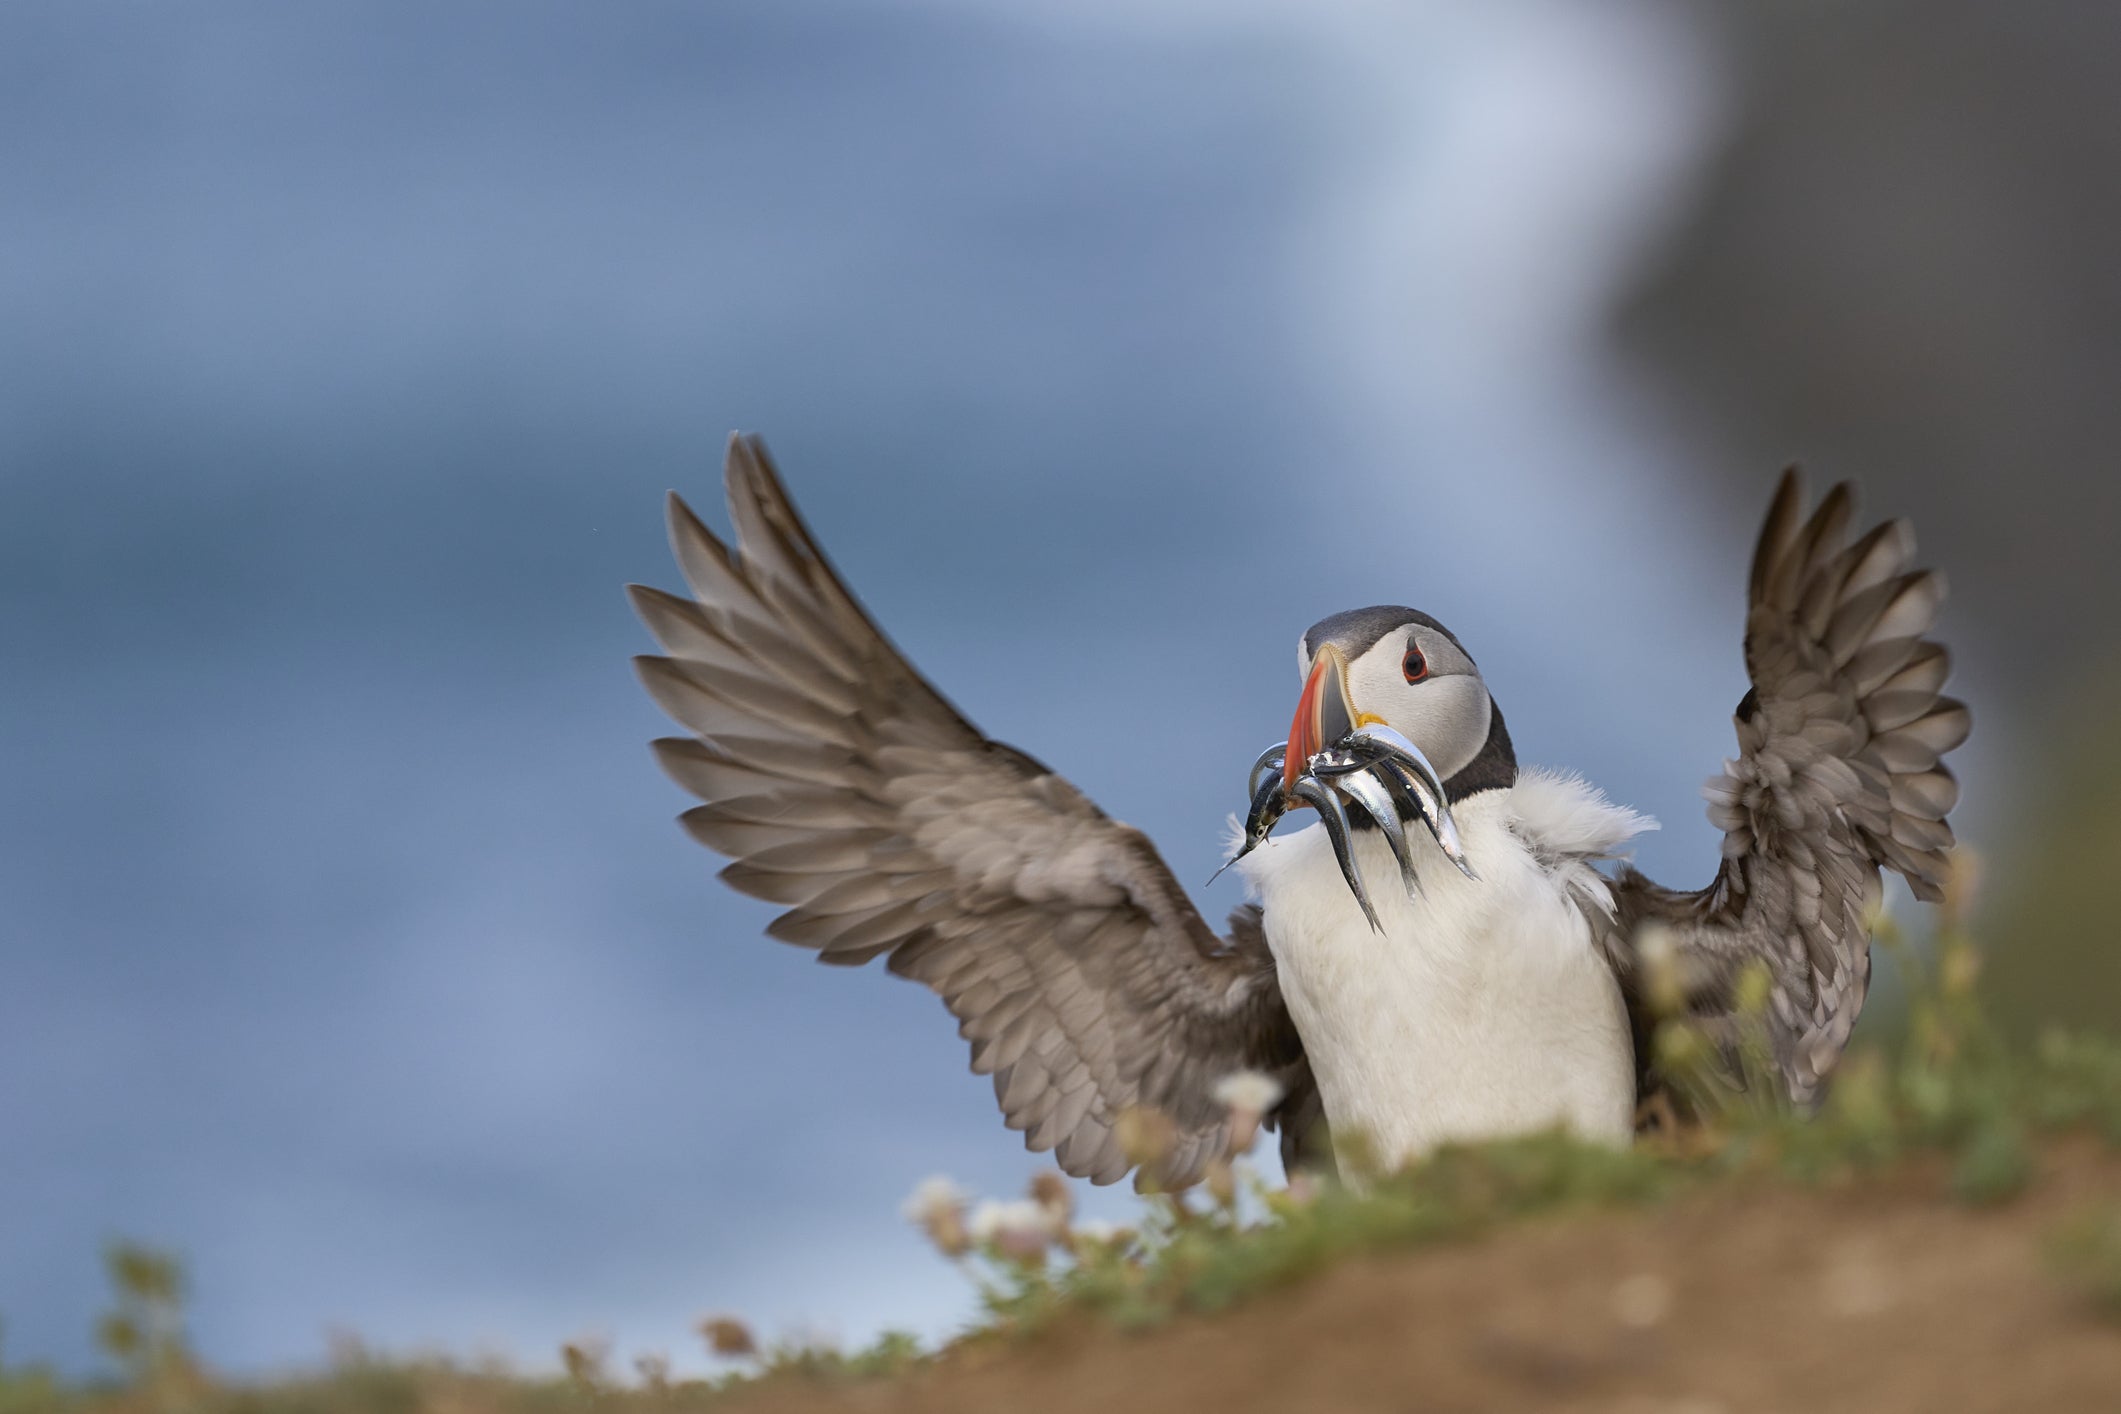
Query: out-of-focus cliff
[(1905, 267)]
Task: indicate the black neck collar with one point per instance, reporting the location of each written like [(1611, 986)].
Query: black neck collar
[(1495, 768)]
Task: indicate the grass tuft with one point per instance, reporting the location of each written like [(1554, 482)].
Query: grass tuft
[(1946, 1090), (1948, 1086)]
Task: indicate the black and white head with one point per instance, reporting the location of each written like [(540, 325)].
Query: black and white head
[(1394, 723), (1399, 667)]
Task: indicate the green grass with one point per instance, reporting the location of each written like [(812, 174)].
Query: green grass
[(1947, 1086)]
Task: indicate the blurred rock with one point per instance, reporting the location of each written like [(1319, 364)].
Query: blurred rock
[(2051, 927), (1902, 268)]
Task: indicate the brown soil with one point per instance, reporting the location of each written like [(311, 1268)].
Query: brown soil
[(1880, 1297)]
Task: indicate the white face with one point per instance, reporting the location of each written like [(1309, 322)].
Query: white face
[(1416, 681)]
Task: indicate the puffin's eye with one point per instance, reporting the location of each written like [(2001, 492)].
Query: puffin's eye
[(1414, 665)]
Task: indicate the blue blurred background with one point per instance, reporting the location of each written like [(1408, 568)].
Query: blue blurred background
[(346, 942)]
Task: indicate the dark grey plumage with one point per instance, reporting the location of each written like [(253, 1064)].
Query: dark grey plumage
[(1356, 631), (846, 787), (1838, 775)]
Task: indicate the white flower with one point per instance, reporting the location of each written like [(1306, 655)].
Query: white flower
[(937, 1207), (986, 1220), (994, 1216), (1100, 1233), (935, 1196), (1248, 1091), (1021, 1229), (1247, 1095)]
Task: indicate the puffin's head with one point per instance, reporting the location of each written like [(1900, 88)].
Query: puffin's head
[(1402, 669), (1395, 721)]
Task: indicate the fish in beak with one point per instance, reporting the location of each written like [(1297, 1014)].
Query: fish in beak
[(1336, 756)]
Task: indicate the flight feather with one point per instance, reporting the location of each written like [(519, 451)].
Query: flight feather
[(846, 789), (1839, 775)]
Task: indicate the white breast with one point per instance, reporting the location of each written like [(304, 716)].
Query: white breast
[(1482, 1009)]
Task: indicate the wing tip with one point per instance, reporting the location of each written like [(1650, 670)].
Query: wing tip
[(1840, 498), (643, 597), (745, 458), (1789, 490), (685, 525), (1776, 528)]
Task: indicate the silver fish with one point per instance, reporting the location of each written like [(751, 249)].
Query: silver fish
[(1335, 762), (1379, 804), (1376, 739), (1269, 803), (1269, 763), (1327, 802), (1384, 774), (1393, 753)]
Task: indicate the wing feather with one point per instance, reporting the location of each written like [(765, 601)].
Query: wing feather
[(1838, 775), (848, 790)]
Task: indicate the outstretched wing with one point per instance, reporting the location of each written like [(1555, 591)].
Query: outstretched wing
[(845, 787), (1838, 773)]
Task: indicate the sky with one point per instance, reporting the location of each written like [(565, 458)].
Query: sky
[(346, 352)]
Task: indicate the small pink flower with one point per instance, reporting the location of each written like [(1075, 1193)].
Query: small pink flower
[(1020, 1230)]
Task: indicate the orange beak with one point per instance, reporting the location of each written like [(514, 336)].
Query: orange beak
[(1323, 714)]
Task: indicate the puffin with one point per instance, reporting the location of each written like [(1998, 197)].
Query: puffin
[(1455, 949)]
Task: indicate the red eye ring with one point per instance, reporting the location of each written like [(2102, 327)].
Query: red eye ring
[(1414, 666)]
